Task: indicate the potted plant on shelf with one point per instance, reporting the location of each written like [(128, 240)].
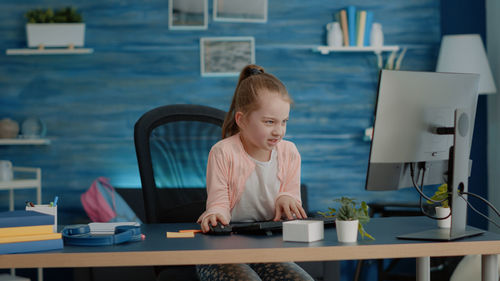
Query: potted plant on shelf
[(443, 210), (350, 218), (59, 28)]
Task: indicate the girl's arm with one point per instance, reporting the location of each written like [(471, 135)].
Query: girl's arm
[(217, 187), (291, 176), (288, 202)]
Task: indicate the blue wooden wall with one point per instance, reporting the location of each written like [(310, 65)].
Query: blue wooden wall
[(91, 102)]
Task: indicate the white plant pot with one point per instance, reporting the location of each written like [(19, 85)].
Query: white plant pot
[(55, 34), (347, 231), (441, 213)]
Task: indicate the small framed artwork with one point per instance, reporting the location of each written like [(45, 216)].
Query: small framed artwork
[(187, 14), (225, 56), (240, 10)]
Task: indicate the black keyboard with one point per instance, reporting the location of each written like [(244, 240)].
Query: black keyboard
[(260, 227)]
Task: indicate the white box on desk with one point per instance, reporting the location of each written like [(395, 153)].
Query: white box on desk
[(303, 230), (45, 209)]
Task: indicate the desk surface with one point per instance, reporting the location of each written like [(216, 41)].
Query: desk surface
[(208, 249)]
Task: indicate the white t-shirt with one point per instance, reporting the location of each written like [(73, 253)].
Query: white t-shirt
[(262, 187)]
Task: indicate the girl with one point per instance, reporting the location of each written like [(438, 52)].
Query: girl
[(253, 174)]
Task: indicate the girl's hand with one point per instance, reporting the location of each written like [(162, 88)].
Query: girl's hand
[(212, 219), (289, 207)]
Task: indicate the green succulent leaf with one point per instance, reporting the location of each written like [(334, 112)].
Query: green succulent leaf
[(65, 15), (350, 210), (441, 193), (363, 232)]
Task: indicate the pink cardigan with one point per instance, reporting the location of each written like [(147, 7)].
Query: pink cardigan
[(229, 167)]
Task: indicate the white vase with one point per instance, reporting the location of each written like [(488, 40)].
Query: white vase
[(347, 231), (6, 172), (441, 213), (334, 34), (376, 35), (55, 34)]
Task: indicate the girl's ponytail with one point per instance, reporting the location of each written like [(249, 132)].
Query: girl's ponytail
[(230, 127)]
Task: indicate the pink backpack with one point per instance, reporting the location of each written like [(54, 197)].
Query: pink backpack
[(103, 204)]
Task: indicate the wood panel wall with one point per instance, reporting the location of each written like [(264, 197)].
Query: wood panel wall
[(91, 102)]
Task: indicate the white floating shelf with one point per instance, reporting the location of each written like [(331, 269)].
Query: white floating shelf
[(24, 141), (55, 51), (325, 50)]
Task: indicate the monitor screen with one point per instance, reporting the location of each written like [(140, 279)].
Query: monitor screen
[(423, 121), (410, 106)]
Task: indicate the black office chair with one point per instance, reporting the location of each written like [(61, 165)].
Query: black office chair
[(172, 143)]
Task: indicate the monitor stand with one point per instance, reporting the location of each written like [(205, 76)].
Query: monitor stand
[(441, 234), (458, 181)]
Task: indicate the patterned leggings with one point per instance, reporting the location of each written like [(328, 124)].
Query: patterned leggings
[(254, 271)]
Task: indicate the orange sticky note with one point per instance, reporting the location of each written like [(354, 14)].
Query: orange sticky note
[(190, 230), (180, 234)]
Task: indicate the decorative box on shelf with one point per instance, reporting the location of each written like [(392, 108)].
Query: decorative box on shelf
[(55, 34), (54, 39)]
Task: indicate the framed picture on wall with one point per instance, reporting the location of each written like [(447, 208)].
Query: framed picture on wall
[(240, 10), (225, 56), (187, 14)]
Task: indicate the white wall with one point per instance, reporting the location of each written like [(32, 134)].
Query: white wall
[(493, 48)]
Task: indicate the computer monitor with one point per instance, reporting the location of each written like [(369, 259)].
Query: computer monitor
[(419, 117)]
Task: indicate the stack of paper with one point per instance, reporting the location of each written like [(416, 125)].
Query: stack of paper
[(26, 231)]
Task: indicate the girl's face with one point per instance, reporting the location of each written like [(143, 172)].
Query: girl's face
[(262, 129)]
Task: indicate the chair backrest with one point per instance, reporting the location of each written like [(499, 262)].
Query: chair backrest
[(172, 143)]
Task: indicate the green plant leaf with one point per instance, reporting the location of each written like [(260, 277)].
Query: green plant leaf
[(363, 232), (65, 15), (441, 193), (348, 211)]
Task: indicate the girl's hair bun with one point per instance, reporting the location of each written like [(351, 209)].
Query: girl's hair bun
[(254, 71), (250, 70)]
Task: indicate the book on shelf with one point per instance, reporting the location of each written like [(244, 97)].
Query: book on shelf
[(32, 237), (24, 218), (351, 24), (368, 27), (344, 27), (360, 27), (26, 230), (356, 25), (31, 246)]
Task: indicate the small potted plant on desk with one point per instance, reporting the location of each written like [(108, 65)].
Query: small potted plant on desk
[(350, 218), (443, 211), (59, 28)]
